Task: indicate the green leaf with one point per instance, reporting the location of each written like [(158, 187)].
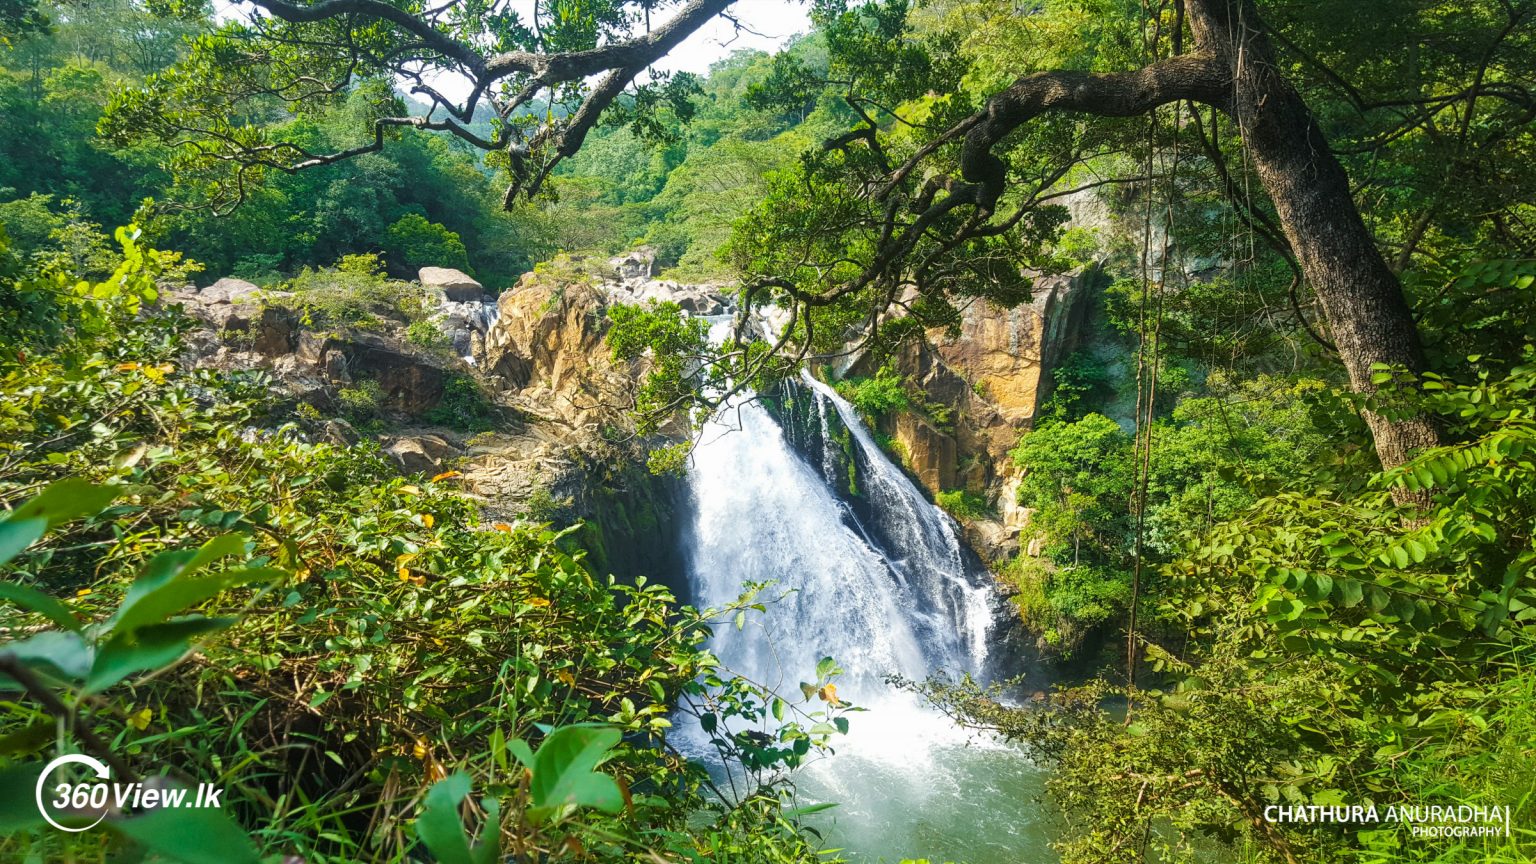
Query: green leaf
[(808, 809), (488, 851), (522, 752), (18, 806), (163, 597), (65, 500), (439, 827), (1319, 586), (168, 567), (34, 600), (147, 648), (67, 654), (17, 534), (825, 667), (1350, 592), (1379, 598), (30, 738), (190, 835), (563, 771)]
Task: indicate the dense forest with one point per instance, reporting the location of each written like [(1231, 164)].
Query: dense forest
[(415, 571)]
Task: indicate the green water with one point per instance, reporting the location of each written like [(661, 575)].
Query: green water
[(909, 784)]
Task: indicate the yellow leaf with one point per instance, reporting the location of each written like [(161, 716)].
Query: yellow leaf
[(446, 475), (540, 602), (565, 676), (420, 750), (405, 573), (83, 592), (426, 519), (410, 490), (828, 694), (502, 527), (140, 719), (126, 367)]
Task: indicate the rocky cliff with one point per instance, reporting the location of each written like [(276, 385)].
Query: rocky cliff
[(979, 387), (519, 395)]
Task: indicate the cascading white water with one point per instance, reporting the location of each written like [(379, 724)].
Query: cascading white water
[(885, 588)]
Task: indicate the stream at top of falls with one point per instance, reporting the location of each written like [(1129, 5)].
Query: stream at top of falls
[(878, 578)]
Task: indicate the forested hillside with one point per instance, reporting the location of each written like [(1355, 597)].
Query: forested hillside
[(369, 371)]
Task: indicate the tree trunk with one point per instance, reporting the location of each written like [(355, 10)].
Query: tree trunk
[(1361, 297), (1233, 69)]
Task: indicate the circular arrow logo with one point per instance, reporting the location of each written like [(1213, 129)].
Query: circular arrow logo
[(102, 773)]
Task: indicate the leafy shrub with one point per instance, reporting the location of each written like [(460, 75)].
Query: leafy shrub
[(963, 504), (876, 396), (362, 402), (353, 294), (1077, 383), (427, 335), (464, 406), (414, 242), (1339, 649), (258, 268)]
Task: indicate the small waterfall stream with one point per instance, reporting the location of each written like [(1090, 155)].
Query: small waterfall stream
[(877, 578)]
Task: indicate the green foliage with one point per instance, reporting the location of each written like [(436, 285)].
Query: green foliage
[(464, 406), (1340, 650), (413, 242), (1077, 382), (875, 397), (354, 293), (428, 336), (1078, 477), (675, 344), (361, 404), (964, 505)]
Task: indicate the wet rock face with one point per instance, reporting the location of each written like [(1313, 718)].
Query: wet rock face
[(454, 285)]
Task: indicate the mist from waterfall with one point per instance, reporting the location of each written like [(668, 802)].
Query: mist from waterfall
[(877, 578)]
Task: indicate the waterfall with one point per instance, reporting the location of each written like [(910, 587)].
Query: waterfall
[(894, 593), (865, 570)]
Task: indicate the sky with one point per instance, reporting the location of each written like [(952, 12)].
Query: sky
[(765, 25)]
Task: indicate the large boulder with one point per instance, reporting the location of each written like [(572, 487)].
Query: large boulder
[(422, 454), (547, 344), (229, 290), (411, 384), (635, 266), (693, 299), (275, 331), (455, 285)]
